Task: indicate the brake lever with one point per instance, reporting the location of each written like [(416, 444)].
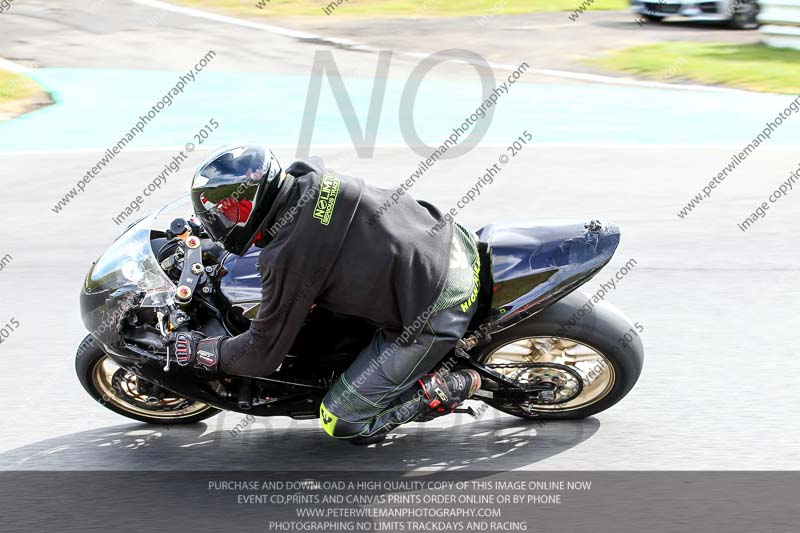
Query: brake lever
[(162, 318)]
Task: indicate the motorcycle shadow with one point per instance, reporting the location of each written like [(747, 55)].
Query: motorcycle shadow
[(493, 443)]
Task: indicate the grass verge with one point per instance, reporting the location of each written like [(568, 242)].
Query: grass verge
[(396, 8), (753, 67), (19, 94), (15, 87)]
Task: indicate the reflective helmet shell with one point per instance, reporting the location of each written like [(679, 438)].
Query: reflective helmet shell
[(232, 192)]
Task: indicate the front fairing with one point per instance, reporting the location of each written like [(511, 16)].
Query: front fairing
[(125, 278)]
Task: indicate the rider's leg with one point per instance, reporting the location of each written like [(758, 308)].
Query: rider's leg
[(381, 388)]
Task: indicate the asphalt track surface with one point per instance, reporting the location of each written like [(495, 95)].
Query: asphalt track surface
[(717, 305)]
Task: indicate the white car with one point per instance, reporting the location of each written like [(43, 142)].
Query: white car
[(740, 14)]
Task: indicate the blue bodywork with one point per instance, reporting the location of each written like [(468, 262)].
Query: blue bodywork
[(534, 266), (241, 283)]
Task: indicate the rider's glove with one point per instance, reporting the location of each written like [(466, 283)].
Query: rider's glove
[(194, 348)]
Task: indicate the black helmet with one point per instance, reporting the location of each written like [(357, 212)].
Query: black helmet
[(232, 192)]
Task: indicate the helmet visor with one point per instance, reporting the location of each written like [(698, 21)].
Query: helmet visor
[(221, 218)]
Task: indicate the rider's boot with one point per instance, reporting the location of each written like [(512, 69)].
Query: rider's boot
[(444, 393), (441, 394)]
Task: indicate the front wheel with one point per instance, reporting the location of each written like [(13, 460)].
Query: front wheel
[(590, 354), (126, 394)]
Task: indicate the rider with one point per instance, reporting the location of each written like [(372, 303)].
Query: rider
[(335, 242)]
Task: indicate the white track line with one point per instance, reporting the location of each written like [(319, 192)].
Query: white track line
[(621, 146), (609, 80), (591, 78), (241, 22), (10, 66)]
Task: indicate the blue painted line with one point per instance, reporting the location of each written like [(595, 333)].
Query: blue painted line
[(96, 107)]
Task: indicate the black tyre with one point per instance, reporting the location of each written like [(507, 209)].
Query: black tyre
[(654, 18), (746, 16), (117, 389), (601, 349)]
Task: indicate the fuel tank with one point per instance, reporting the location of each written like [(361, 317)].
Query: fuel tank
[(241, 283), (534, 266)]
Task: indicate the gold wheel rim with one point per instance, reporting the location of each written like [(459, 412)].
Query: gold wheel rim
[(165, 408), (596, 371)]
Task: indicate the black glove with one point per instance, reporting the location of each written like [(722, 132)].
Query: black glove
[(194, 348)]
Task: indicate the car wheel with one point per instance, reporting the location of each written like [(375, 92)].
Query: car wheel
[(745, 17)]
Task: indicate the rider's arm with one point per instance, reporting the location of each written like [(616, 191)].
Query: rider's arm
[(260, 350)]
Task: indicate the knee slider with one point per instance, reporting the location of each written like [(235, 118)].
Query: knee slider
[(336, 427), (327, 419)]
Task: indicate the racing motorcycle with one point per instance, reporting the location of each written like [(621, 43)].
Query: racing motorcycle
[(544, 350)]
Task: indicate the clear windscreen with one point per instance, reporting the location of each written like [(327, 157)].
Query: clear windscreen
[(131, 263)]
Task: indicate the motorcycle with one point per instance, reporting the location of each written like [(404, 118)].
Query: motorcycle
[(542, 355)]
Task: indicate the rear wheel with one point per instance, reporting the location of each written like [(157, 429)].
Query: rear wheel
[(591, 364), (126, 394)]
